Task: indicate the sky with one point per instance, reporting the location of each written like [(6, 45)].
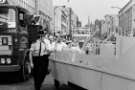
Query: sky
[(95, 9)]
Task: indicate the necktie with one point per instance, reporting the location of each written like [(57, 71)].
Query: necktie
[(40, 49)]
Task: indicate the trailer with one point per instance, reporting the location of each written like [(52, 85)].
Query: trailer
[(112, 69)]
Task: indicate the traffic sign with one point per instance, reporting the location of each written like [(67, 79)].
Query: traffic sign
[(2, 1)]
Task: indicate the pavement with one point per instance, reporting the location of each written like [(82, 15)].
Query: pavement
[(7, 83), (48, 84)]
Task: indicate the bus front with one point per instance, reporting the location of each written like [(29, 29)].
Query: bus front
[(8, 39)]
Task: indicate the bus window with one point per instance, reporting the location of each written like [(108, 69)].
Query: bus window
[(7, 15), (21, 16), (22, 23), (21, 19)]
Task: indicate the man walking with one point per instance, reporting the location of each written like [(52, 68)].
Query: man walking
[(39, 57)]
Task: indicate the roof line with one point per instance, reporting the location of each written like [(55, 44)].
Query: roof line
[(125, 6)]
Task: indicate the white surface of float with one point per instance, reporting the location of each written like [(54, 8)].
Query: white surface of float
[(97, 72)]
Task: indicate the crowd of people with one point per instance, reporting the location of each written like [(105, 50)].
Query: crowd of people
[(57, 43), (40, 50)]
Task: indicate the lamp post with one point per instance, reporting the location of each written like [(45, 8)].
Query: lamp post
[(36, 7), (70, 20), (54, 23), (70, 23)]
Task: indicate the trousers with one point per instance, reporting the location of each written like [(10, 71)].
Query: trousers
[(40, 70)]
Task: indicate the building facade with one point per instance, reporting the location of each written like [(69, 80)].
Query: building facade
[(103, 28), (27, 4), (109, 25), (65, 20), (73, 19), (45, 8), (127, 19), (115, 24), (61, 17), (79, 24)]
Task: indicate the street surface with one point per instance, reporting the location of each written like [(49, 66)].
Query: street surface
[(27, 85), (48, 84)]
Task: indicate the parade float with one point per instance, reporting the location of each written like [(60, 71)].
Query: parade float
[(112, 69)]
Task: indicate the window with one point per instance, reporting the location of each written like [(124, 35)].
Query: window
[(21, 19), (21, 16), (7, 15)]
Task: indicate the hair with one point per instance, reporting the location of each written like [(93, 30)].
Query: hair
[(80, 44)]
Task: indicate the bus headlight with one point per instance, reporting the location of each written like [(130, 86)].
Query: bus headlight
[(3, 60), (8, 60)]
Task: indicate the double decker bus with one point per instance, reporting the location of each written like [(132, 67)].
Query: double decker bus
[(14, 40)]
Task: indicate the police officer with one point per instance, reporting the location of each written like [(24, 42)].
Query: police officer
[(39, 60)]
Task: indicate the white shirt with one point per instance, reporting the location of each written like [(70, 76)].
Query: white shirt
[(46, 47), (60, 46), (47, 43), (50, 45), (35, 48)]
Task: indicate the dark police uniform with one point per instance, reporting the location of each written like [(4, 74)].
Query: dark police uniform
[(39, 51)]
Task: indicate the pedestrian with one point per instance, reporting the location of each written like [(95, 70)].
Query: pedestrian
[(52, 43), (60, 45), (39, 60), (50, 47)]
